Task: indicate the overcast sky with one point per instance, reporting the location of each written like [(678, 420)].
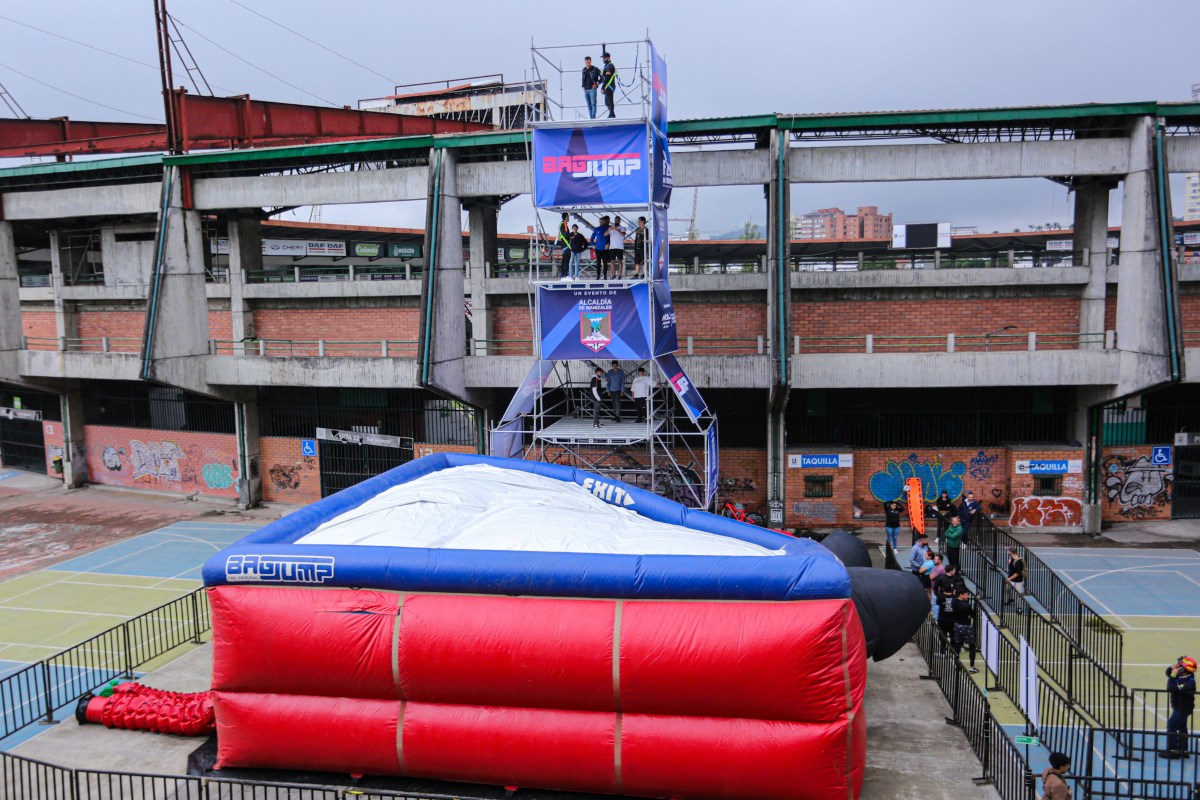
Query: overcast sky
[(724, 59)]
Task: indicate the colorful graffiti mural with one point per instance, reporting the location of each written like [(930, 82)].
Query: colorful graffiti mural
[(980, 467), (157, 460), (1037, 512), (217, 476), (888, 483), (181, 461), (1136, 487)]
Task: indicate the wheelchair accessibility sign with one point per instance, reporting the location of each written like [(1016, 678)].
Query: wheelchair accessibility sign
[(1161, 456), (308, 447)]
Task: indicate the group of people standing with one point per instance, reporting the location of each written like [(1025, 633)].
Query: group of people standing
[(611, 384), (603, 80), (608, 242)]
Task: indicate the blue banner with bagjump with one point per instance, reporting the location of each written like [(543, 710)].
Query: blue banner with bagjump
[(579, 324), (596, 165), (682, 385)]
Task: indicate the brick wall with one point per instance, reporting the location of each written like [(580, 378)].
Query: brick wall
[(1110, 310), (169, 461), (717, 326), (220, 326), (820, 317), (818, 512), (39, 325), (421, 449), (1189, 318), (511, 326), (52, 432), (341, 324), (1132, 488), (123, 328), (287, 476), (1030, 510), (743, 478)]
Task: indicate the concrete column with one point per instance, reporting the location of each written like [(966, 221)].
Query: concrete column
[(481, 219), (1141, 295), (443, 333), (10, 304), (779, 307), (247, 430), (178, 340), (64, 312), (245, 254), (75, 472), (1091, 234)]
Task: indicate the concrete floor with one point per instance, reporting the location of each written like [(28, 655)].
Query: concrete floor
[(911, 751)]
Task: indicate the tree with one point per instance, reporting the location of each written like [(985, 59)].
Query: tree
[(751, 230)]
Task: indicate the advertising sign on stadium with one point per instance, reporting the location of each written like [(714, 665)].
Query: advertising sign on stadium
[(316, 248), (404, 250), (367, 249), (821, 460), (284, 247), (1191, 238), (593, 166), (1065, 245)]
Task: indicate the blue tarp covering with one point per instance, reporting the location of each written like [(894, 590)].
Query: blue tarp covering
[(270, 557)]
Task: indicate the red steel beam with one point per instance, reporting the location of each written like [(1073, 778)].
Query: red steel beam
[(208, 123)]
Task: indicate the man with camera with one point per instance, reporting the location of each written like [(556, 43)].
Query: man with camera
[(1181, 687)]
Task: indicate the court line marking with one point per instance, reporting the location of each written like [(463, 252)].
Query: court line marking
[(61, 611), (1115, 615), (1116, 552)]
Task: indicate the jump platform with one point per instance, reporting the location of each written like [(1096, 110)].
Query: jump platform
[(580, 431)]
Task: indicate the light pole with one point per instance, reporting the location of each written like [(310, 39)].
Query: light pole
[(990, 334)]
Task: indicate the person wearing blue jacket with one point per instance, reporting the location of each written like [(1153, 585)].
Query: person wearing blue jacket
[(599, 242)]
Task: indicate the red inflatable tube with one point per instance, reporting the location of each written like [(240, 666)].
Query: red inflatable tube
[(136, 707), (800, 661), (706, 758)]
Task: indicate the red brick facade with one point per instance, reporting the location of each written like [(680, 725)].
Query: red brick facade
[(52, 434), (721, 328), (40, 325), (124, 329), (1132, 487), (167, 461), (398, 325), (288, 476), (220, 326), (512, 331), (910, 319), (1189, 318)]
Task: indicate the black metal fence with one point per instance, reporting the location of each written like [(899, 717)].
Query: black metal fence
[(1094, 635), (35, 692)]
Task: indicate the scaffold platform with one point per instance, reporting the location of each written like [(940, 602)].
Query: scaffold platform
[(581, 432)]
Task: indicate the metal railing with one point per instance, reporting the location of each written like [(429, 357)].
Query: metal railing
[(314, 348), (93, 344), (1092, 633), (28, 779), (35, 692), (890, 260), (333, 273), (1032, 342)]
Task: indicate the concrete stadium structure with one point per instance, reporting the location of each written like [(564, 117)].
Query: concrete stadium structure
[(163, 359)]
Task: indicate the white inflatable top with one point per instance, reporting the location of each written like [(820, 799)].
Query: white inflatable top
[(481, 507)]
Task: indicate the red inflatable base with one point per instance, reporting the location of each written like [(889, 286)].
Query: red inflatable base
[(143, 708)]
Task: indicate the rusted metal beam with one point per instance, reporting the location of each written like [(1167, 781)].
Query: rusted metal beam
[(207, 123)]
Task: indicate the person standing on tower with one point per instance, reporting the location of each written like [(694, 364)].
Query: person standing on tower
[(616, 249), (608, 82), (563, 243), (616, 387), (591, 80), (639, 249)]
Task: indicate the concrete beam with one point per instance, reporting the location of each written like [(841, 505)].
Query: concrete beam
[(367, 186), (443, 324), (80, 366), (938, 278), (331, 290), (721, 168), (84, 201), (914, 162), (1091, 234), (365, 373), (493, 178), (1183, 153), (935, 370), (10, 303)]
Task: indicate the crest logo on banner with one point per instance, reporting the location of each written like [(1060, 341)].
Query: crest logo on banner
[(595, 329)]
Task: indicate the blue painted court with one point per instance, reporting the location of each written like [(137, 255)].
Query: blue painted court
[(44, 612), (1129, 582)]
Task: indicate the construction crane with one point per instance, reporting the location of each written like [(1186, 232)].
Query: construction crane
[(692, 233)]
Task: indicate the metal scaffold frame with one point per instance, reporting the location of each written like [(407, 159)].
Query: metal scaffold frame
[(632, 59), (665, 454)]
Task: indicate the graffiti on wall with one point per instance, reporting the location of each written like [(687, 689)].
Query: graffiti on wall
[(816, 511), (1037, 512), (157, 460), (888, 484), (112, 458), (1138, 488), (288, 477), (730, 485), (981, 465), (217, 476)]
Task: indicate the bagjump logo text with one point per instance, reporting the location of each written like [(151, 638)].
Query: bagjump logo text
[(278, 569), (593, 165)]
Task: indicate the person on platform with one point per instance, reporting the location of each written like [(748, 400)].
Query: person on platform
[(642, 387), (1181, 688), (639, 249), (616, 387), (608, 82), (563, 243), (954, 537), (616, 249), (578, 245), (1054, 786), (891, 522), (597, 399), (967, 511), (943, 510), (591, 81), (1015, 573), (943, 601), (599, 243)]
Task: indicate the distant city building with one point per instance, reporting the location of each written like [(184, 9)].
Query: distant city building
[(833, 223)]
